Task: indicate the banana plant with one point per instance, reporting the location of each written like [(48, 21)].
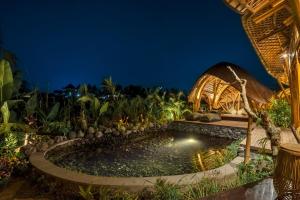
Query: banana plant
[(50, 124), (96, 109), (6, 81)]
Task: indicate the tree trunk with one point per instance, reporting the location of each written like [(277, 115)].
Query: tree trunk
[(273, 132)]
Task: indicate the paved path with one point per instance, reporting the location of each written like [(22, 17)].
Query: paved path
[(258, 133)]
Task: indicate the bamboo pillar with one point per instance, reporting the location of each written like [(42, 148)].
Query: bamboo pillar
[(248, 140), (294, 66), (295, 93)]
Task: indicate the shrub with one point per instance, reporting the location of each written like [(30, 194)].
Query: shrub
[(280, 112), (256, 169)]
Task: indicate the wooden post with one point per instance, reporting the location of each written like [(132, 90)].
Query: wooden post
[(295, 93), (292, 62), (248, 140)]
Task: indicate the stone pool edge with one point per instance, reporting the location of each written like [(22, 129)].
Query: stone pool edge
[(39, 162)]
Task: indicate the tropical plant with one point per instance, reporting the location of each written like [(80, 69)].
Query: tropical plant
[(256, 169), (96, 109), (166, 191), (175, 107), (6, 81), (86, 193), (89, 193), (280, 112)]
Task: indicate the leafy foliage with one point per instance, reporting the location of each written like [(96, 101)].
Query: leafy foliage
[(280, 112), (166, 191), (256, 169), (6, 81)]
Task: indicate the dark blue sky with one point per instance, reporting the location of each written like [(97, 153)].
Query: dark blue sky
[(146, 42)]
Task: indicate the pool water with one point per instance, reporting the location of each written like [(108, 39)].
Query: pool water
[(166, 154)]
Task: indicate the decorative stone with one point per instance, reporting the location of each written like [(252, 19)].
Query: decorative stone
[(51, 142), (98, 134), (44, 146), (151, 125), (108, 130), (241, 149), (80, 134), (128, 132), (72, 135), (91, 130), (204, 117), (90, 135), (102, 128)]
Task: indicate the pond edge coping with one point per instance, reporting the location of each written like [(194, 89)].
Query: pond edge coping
[(43, 165)]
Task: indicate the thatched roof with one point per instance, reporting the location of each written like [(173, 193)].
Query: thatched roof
[(269, 26), (218, 87)]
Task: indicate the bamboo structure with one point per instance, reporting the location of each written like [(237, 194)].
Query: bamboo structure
[(219, 89), (287, 172), (273, 28)]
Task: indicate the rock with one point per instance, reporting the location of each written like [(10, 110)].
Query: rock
[(80, 134), (51, 142), (108, 130), (241, 149), (204, 117), (91, 130), (44, 146), (72, 135), (98, 134), (151, 125), (102, 128), (58, 139), (128, 132), (141, 129)]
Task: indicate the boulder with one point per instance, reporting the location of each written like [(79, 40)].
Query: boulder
[(141, 129), (72, 135), (51, 142), (108, 130), (128, 132), (151, 125), (204, 117), (91, 130), (98, 134), (90, 135), (101, 128), (80, 134), (44, 146)]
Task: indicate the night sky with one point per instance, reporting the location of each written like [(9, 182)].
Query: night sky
[(146, 42)]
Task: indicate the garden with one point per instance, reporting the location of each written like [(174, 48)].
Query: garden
[(229, 137), (119, 132)]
